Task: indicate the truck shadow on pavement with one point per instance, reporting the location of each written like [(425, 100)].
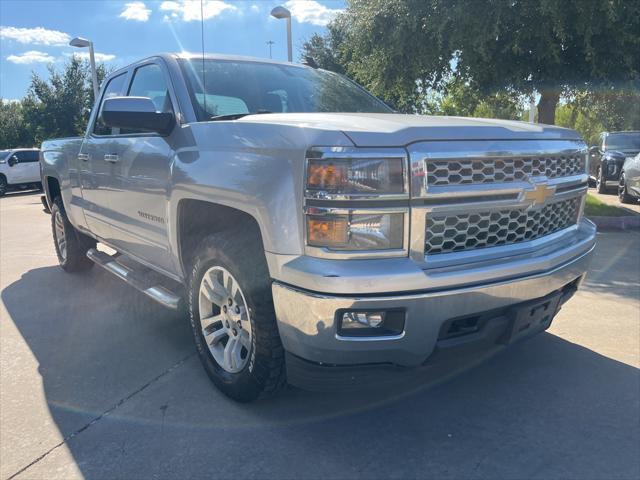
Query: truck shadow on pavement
[(126, 391)]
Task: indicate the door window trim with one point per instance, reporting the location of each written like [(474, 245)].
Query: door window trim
[(130, 74), (96, 114)]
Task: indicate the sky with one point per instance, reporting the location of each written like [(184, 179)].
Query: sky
[(36, 33)]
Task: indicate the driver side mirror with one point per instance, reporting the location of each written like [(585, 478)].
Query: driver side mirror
[(595, 150), (136, 113), (12, 160)]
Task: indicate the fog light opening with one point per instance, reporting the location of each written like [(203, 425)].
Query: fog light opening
[(370, 323)]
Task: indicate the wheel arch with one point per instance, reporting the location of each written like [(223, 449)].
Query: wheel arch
[(52, 189), (198, 218)]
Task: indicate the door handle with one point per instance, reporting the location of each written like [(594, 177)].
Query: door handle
[(111, 158), (83, 156)]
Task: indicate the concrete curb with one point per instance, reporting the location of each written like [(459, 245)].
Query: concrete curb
[(630, 222)]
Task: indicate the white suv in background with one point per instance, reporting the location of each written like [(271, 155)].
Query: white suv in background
[(19, 168)]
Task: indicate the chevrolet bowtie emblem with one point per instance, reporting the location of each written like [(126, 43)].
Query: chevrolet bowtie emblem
[(539, 193)]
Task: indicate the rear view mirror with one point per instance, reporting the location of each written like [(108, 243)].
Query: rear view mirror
[(136, 113)]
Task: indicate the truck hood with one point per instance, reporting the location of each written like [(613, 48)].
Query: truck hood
[(394, 129)]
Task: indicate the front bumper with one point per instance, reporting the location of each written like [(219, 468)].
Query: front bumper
[(308, 327)]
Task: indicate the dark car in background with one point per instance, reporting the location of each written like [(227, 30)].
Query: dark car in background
[(607, 158), (629, 185)]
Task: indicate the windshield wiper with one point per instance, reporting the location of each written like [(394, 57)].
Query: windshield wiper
[(235, 116)]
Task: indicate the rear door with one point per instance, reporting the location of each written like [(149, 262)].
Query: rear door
[(96, 172), (32, 166), (141, 167)]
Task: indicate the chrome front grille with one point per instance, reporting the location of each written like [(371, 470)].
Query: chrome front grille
[(465, 171), (456, 232)]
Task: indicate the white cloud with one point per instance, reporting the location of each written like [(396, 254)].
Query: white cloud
[(310, 11), (189, 10), (36, 36), (255, 8), (137, 11), (32, 56), (100, 57)]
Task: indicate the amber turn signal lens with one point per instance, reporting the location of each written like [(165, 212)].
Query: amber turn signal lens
[(327, 232), (326, 175)]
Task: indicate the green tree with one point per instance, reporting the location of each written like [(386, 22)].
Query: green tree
[(460, 98), (13, 129), (59, 106), (399, 48)]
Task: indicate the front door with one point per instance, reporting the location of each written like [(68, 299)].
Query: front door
[(141, 169), (19, 168)]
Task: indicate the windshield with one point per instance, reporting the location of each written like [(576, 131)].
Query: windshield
[(623, 141), (230, 88)]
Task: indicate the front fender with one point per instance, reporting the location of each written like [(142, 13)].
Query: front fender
[(255, 168)]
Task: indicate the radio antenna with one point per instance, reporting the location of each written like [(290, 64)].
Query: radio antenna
[(204, 81)]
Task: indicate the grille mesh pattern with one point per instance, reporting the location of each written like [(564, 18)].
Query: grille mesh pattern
[(466, 171), (468, 231)]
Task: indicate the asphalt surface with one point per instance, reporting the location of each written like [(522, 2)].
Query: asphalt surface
[(96, 381)]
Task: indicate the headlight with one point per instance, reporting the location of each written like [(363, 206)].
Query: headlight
[(340, 173), (346, 214), (355, 231)]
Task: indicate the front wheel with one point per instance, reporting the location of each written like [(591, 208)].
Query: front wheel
[(623, 195), (71, 246), (3, 185), (232, 316)]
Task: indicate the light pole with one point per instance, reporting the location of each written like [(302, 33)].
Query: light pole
[(270, 43), (80, 42), (280, 12)]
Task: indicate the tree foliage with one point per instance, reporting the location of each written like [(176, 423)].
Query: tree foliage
[(459, 98), (58, 106), (402, 48)]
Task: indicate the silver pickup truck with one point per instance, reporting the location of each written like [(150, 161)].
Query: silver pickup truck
[(315, 236)]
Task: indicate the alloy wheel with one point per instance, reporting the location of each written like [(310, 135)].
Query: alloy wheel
[(224, 319), (61, 239)]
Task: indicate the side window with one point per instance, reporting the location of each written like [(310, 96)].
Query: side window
[(31, 156), (19, 157), (26, 156), (148, 81), (113, 89)]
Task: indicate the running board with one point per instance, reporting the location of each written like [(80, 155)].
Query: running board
[(136, 279)]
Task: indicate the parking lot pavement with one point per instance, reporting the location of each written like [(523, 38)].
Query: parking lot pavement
[(96, 381), (612, 199)]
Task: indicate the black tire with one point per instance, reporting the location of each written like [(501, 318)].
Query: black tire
[(601, 184), (623, 195), (243, 257), (74, 257), (3, 185)]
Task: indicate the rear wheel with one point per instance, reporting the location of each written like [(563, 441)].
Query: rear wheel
[(3, 185), (71, 246), (623, 195), (232, 317)]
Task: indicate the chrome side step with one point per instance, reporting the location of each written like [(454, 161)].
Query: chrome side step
[(136, 279)]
